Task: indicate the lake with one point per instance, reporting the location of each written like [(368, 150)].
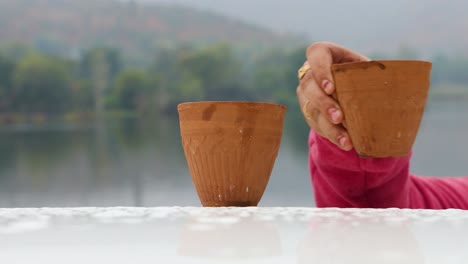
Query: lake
[(140, 162)]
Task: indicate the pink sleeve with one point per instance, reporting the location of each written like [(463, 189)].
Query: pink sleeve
[(343, 179)]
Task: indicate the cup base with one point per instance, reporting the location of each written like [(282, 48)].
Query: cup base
[(229, 204), (382, 155)]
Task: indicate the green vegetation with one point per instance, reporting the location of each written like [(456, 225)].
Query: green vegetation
[(88, 59), (34, 82), (37, 84)]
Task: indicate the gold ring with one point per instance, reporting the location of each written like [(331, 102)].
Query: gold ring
[(303, 70), (305, 112)]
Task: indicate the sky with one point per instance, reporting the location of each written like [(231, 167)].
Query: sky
[(359, 24)]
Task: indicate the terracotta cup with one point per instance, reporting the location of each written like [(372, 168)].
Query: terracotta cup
[(231, 148), (383, 104)]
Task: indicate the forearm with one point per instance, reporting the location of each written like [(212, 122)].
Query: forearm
[(438, 193), (343, 179)]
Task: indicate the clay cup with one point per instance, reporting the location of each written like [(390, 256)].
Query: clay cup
[(231, 148), (383, 104)]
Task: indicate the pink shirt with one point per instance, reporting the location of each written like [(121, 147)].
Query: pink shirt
[(343, 179)]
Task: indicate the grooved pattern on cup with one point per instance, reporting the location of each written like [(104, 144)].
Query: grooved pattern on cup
[(231, 149)]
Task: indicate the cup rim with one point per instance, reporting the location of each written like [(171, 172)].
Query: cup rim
[(185, 105), (381, 63)]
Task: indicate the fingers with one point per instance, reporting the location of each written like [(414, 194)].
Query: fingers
[(319, 122), (335, 133), (327, 105), (320, 59), (316, 91), (322, 55), (310, 113)]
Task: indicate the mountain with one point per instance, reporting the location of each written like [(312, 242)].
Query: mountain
[(136, 28), (429, 26), (139, 26)]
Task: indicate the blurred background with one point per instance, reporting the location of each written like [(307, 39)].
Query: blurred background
[(89, 88)]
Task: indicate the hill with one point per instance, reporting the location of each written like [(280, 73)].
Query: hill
[(69, 26), (430, 26)]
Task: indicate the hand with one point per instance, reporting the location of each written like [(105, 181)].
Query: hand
[(321, 111)]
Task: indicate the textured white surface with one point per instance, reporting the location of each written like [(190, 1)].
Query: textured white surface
[(232, 235)]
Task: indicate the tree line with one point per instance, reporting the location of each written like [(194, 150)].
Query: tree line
[(99, 80)]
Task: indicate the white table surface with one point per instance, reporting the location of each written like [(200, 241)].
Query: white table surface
[(232, 235)]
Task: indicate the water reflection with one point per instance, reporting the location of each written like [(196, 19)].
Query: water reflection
[(75, 165), (140, 161), (38, 148), (119, 162)]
